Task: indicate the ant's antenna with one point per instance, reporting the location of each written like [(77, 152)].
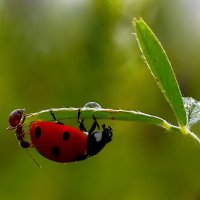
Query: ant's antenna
[(33, 159)]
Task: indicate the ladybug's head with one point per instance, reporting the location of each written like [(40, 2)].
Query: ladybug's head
[(98, 139), (15, 117), (107, 134)]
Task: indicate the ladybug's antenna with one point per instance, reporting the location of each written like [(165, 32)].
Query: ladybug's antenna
[(33, 159)]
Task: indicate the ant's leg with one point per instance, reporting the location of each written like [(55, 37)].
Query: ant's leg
[(33, 158), (23, 119), (94, 125), (81, 124)]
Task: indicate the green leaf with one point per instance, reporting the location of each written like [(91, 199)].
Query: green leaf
[(192, 108), (63, 114), (160, 68)]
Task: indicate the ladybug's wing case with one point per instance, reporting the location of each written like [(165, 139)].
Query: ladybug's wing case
[(58, 142)]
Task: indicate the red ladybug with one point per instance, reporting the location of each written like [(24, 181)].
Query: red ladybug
[(62, 143)]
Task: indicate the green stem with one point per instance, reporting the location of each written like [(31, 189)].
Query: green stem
[(193, 135)]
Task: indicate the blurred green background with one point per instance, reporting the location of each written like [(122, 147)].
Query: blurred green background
[(56, 53)]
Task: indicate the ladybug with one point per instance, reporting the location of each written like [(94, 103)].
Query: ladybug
[(62, 143)]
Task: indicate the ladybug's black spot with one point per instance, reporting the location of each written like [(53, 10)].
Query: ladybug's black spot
[(37, 132), (55, 151), (66, 135)]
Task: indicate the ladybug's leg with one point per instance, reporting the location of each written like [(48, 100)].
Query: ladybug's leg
[(53, 115), (81, 124), (79, 114), (94, 125)]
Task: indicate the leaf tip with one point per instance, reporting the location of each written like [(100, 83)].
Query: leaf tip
[(134, 20)]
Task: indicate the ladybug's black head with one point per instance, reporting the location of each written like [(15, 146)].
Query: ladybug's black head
[(107, 134), (98, 139)]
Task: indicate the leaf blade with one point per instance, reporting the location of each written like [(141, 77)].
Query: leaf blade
[(161, 69), (63, 114)]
